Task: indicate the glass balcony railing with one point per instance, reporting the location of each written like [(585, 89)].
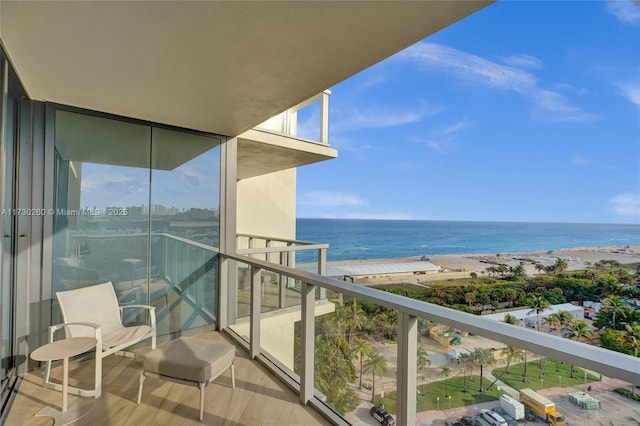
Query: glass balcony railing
[(316, 342), (177, 275), (305, 255), (308, 120)]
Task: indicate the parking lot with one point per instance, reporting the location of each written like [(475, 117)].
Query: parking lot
[(615, 409)]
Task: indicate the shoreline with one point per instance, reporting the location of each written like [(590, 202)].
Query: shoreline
[(461, 265)]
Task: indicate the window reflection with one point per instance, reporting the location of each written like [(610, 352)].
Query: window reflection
[(139, 207)]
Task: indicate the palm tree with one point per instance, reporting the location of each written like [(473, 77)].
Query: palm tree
[(377, 366), (422, 360), (510, 319), (511, 295), (511, 353), (633, 337), (340, 321), (615, 305), (465, 357), (518, 271), (470, 298), (445, 372), (482, 357), (363, 348), (537, 304), (579, 330), (524, 367), (553, 320), (498, 294), (564, 318), (355, 319), (560, 266)]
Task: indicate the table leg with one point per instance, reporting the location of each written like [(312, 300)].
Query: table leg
[(65, 383), (69, 409)]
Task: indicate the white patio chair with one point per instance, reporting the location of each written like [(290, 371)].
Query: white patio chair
[(94, 312)]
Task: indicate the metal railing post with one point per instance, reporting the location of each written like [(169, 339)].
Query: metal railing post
[(307, 342), (324, 117), (254, 334), (407, 369), (322, 270)]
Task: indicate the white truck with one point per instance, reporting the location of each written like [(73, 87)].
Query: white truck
[(512, 407)]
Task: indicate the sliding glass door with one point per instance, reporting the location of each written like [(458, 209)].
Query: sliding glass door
[(137, 205), (8, 155)]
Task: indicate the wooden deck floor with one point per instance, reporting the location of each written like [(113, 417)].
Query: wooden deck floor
[(258, 399)]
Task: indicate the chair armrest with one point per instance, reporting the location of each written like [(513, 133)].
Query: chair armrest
[(97, 329), (151, 309)]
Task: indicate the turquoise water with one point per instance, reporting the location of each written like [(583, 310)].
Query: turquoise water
[(353, 239)]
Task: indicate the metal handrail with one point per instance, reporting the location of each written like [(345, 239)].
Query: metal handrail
[(609, 363)]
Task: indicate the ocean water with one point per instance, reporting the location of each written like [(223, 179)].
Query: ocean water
[(355, 239)]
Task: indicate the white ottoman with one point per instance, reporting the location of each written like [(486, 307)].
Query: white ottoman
[(190, 361)]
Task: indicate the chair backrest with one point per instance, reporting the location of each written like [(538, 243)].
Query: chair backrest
[(96, 304)]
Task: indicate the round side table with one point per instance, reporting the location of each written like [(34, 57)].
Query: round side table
[(66, 412)]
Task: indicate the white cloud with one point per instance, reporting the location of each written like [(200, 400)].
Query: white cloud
[(476, 70), (440, 140), (379, 118), (571, 88), (626, 205), (553, 106), (371, 82), (471, 67), (330, 199), (627, 12), (579, 160), (455, 128), (432, 143), (522, 61), (631, 92)]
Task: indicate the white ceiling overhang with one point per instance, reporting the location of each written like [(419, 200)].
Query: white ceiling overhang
[(214, 66)]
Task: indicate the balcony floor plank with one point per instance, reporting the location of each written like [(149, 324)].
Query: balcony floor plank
[(258, 399)]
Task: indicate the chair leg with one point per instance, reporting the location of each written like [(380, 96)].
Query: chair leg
[(202, 400), (47, 374), (98, 378), (140, 386), (233, 377)]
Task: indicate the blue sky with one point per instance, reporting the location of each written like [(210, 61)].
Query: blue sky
[(524, 111)]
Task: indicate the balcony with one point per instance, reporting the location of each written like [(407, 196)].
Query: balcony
[(314, 377), (281, 320), (281, 143), (258, 397)]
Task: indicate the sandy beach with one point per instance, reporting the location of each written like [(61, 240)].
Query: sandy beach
[(577, 258), (461, 265)]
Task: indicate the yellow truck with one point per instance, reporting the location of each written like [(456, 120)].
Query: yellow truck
[(541, 407)]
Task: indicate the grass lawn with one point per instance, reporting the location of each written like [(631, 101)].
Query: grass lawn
[(430, 392), (555, 374)]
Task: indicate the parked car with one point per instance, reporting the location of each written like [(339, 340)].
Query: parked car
[(381, 415)]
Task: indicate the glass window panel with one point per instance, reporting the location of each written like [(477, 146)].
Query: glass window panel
[(7, 223), (185, 197), (101, 204), (355, 354), (138, 206)]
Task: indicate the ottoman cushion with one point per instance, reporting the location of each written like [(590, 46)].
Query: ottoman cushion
[(189, 358)]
